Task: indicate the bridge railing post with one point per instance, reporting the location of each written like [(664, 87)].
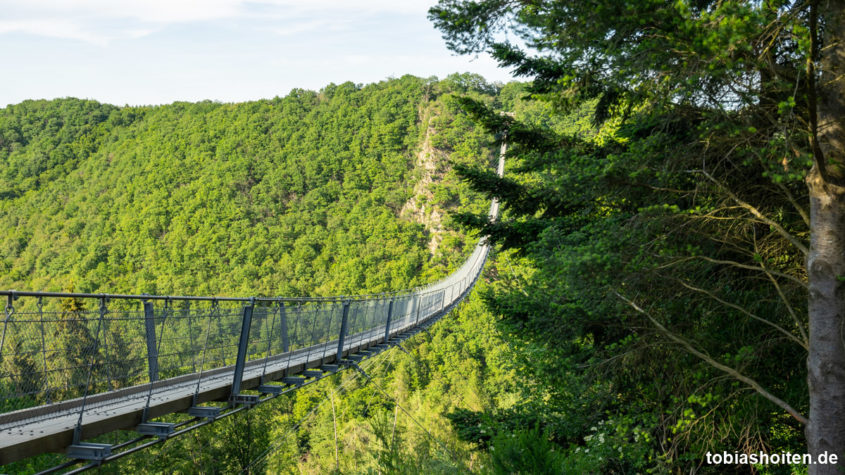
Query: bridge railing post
[(415, 300), (240, 362), (419, 306), (387, 323), (344, 327), (283, 323), (152, 350)]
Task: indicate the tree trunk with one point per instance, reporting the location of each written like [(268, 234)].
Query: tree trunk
[(826, 360), (826, 259)]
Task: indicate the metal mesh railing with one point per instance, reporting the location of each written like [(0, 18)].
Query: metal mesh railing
[(68, 348)]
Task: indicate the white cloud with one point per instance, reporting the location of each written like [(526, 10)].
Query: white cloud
[(306, 26), (330, 7), (147, 11), (101, 21), (215, 49), (50, 27)]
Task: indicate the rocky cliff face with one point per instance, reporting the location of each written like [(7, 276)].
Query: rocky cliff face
[(421, 207)]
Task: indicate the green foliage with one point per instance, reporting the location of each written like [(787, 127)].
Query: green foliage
[(657, 155), (290, 196), (524, 452), (461, 365), (309, 194)]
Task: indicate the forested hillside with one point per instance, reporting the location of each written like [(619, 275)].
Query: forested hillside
[(343, 191), (299, 195)]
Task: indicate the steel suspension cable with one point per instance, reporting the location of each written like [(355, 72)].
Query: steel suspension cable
[(272, 326), (283, 439), (204, 349), (432, 436)]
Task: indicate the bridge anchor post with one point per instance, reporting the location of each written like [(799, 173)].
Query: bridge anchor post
[(152, 350), (240, 362), (389, 316), (284, 327), (344, 326)]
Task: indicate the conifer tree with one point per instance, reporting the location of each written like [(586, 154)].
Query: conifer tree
[(753, 91)]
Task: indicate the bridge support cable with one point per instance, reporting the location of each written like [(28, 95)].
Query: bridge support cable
[(280, 309), (295, 335), (283, 439), (88, 450), (371, 380), (46, 387), (186, 315), (183, 427), (194, 400), (9, 311)]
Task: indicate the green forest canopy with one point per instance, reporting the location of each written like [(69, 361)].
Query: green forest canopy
[(298, 195), (312, 193)]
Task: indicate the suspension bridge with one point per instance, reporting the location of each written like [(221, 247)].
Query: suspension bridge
[(76, 366)]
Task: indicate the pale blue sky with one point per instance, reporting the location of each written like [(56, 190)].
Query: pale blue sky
[(159, 51)]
